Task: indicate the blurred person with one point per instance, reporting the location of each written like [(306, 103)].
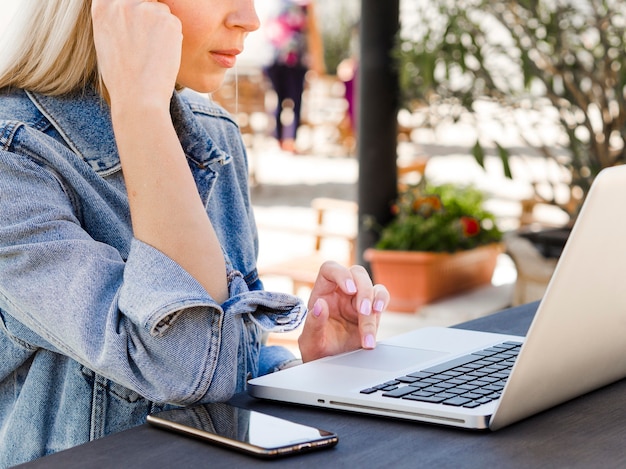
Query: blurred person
[(296, 46), (128, 248)]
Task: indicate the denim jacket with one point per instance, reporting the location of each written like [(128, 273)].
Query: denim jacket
[(97, 329)]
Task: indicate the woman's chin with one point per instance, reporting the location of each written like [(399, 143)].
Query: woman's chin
[(208, 85)]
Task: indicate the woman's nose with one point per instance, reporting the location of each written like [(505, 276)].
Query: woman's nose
[(244, 16)]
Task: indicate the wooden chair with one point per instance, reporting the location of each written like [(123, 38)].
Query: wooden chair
[(244, 96), (410, 171), (533, 270), (302, 270)]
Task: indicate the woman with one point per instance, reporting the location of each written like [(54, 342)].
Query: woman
[(296, 46), (127, 242)]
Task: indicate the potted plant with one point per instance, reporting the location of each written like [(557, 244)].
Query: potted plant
[(440, 241)]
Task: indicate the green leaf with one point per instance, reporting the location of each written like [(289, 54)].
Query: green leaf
[(479, 154), (504, 155)]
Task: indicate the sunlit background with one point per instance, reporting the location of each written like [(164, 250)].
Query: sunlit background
[(7, 7), (324, 166)]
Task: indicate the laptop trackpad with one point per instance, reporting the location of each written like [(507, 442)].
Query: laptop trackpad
[(386, 358)]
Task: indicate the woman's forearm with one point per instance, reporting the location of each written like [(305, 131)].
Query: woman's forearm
[(166, 210)]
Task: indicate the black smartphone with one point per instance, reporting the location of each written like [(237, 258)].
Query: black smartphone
[(245, 430)]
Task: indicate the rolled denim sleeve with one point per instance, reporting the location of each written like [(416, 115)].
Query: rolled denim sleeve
[(156, 289), (172, 308)]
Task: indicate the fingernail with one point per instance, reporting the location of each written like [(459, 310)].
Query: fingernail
[(379, 305), (366, 307), (370, 342), (317, 309), (351, 286)]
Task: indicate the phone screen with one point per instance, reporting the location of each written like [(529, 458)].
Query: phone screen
[(246, 430)]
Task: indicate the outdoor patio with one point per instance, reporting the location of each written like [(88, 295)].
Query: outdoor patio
[(286, 183)]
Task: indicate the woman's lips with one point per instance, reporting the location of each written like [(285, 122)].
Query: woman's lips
[(225, 58)]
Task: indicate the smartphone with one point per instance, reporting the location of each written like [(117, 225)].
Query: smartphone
[(245, 430)]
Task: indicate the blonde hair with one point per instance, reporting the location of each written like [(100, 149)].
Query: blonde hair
[(49, 47)]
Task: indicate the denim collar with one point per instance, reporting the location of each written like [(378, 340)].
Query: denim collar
[(84, 122)]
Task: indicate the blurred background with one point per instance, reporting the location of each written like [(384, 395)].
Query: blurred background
[(525, 104)]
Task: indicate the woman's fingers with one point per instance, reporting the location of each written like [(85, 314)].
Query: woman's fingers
[(138, 44), (354, 302)]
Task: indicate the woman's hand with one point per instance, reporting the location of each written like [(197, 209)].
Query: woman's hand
[(138, 44), (344, 312)]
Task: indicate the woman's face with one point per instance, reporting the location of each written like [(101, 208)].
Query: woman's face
[(213, 35)]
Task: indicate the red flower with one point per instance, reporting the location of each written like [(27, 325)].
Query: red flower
[(470, 226)]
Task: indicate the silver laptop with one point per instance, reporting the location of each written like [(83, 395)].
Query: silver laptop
[(476, 380)]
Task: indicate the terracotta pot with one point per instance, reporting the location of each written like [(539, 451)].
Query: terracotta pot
[(417, 278)]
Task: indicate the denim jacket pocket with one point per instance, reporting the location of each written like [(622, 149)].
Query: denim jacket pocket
[(15, 351), (113, 406)]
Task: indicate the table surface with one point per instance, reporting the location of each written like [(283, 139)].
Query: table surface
[(586, 432)]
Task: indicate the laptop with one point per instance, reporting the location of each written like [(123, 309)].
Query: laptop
[(478, 380)]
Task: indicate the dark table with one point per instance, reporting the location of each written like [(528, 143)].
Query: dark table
[(588, 432)]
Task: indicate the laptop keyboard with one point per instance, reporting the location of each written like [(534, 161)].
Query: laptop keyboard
[(468, 381)]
